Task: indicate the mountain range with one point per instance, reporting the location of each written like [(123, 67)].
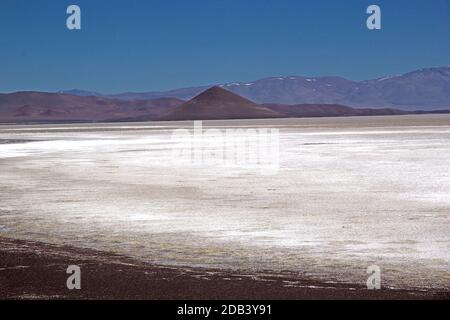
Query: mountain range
[(422, 91), (425, 89), (212, 104)]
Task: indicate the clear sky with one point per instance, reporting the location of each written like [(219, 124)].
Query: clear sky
[(145, 45)]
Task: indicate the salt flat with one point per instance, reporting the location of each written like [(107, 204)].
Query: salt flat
[(348, 193)]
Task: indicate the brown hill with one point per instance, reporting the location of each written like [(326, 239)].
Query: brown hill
[(217, 103), (212, 104), (23, 107), (328, 110)]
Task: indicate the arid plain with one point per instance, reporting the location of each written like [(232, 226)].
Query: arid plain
[(347, 193)]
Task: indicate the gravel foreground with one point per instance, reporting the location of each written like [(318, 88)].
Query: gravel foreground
[(31, 270)]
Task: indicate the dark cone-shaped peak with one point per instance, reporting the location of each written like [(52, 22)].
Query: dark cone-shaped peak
[(218, 103), (215, 94)]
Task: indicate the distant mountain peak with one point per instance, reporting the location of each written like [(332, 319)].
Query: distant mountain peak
[(388, 77), (81, 93)]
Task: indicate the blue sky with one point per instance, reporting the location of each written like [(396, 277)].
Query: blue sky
[(144, 45)]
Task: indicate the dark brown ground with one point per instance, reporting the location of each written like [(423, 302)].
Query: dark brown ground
[(31, 270)]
